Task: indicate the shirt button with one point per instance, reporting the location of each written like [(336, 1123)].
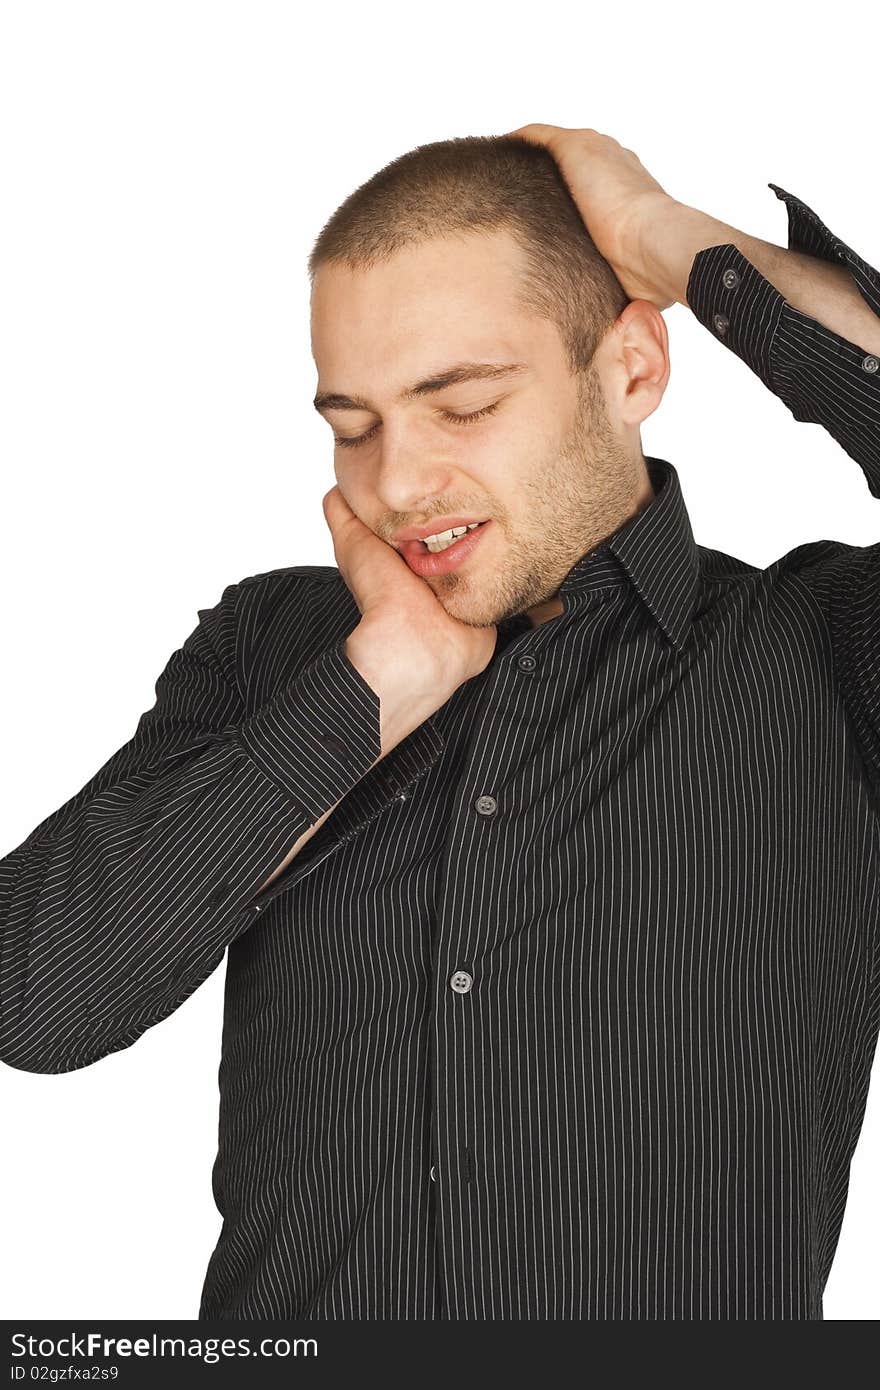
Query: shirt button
[(393, 786), (335, 744), (433, 1179), (870, 363), (730, 279), (526, 663), (841, 253), (461, 981), (721, 323), (486, 805)]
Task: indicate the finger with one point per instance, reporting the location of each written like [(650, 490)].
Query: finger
[(536, 133)]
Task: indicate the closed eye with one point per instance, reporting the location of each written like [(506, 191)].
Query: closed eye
[(444, 414)]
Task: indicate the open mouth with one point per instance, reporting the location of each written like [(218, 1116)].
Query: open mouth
[(470, 531), (432, 563)]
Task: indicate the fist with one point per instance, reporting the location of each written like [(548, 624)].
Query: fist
[(405, 634)]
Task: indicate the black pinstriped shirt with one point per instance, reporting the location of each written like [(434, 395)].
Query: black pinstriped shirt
[(568, 1010)]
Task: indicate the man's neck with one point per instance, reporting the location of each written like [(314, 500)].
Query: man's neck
[(550, 608)]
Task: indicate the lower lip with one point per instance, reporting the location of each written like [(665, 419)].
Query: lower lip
[(426, 564)]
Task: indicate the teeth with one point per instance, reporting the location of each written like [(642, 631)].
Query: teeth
[(442, 539)]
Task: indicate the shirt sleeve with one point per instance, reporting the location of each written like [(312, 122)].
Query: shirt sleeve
[(820, 377), (121, 902)]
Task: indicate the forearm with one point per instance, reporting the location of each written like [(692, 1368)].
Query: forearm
[(399, 714), (825, 292)]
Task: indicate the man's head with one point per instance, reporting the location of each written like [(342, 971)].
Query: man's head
[(472, 250)]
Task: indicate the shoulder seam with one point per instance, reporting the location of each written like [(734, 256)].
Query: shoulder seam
[(322, 574)]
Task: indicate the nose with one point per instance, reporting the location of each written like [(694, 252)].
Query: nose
[(410, 477)]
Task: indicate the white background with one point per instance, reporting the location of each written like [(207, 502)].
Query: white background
[(165, 168)]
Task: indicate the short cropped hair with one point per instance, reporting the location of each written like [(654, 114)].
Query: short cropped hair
[(485, 182)]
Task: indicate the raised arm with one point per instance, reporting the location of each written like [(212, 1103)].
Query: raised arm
[(806, 320)]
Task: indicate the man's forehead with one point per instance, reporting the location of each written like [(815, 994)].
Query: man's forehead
[(410, 327), (427, 277)]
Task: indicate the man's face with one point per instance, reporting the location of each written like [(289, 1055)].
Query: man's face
[(545, 465)]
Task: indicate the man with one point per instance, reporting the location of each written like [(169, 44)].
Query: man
[(546, 852)]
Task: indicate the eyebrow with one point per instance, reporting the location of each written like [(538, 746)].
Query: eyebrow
[(438, 381)]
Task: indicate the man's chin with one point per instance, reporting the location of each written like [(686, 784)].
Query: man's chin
[(468, 610)]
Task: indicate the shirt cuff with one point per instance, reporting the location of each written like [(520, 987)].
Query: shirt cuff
[(737, 304), (320, 735)]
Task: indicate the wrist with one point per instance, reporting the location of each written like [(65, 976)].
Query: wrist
[(403, 703), (671, 235)]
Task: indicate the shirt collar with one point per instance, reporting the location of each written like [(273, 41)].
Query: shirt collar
[(654, 550)]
